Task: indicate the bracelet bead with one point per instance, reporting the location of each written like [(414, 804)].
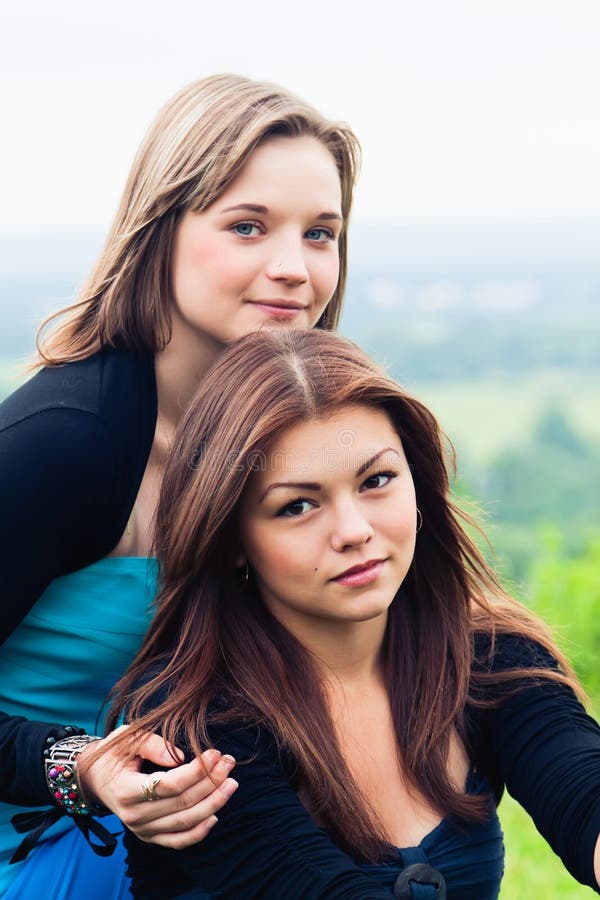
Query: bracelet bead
[(61, 774)]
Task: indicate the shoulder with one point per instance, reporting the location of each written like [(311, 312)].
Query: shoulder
[(507, 651), (226, 728), (107, 386), (92, 420), (74, 443)]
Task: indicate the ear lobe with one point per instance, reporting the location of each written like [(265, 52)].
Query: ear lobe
[(240, 561)]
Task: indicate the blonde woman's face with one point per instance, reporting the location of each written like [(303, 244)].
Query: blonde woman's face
[(328, 523), (265, 254)]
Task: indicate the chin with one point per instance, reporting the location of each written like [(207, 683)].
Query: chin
[(367, 613)]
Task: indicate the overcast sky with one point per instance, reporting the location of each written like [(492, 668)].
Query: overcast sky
[(466, 109)]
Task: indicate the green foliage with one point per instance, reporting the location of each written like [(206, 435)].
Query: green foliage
[(472, 343), (533, 871), (553, 472), (553, 476), (565, 592)]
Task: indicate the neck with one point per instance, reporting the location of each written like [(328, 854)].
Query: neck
[(348, 653), (179, 369)]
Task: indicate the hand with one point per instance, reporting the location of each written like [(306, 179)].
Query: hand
[(188, 796)]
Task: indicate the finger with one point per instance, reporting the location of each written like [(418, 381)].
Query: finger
[(186, 821), (196, 774), (178, 841), (176, 790), (154, 748), (205, 787)]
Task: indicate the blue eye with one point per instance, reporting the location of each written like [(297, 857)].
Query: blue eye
[(295, 509), (380, 479), (246, 229), (320, 235)]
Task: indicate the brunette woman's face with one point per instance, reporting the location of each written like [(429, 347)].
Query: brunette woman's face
[(328, 525), (265, 253)]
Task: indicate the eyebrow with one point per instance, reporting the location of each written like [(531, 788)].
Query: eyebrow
[(315, 486), (249, 207), (300, 485), (367, 465), (263, 211)]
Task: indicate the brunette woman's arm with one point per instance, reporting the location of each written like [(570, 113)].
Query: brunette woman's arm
[(265, 844), (541, 743)]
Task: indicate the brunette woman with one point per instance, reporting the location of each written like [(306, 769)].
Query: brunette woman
[(233, 219), (324, 618)]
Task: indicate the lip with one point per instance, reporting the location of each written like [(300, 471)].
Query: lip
[(278, 306), (361, 574)]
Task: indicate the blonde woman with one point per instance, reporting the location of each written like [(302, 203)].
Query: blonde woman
[(233, 219)]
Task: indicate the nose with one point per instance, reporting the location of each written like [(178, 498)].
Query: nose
[(351, 528), (287, 262)]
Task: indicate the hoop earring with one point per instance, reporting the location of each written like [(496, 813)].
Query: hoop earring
[(246, 574), (419, 520)]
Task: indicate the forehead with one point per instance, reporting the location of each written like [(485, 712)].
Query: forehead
[(301, 168), (327, 447)]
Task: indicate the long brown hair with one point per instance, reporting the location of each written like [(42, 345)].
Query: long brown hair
[(214, 636), (195, 148)]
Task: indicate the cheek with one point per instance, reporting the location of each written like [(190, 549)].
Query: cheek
[(407, 534), (279, 562), (325, 275), (276, 560), (400, 525), (209, 258), (211, 254)]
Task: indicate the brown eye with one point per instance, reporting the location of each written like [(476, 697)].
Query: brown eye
[(380, 479), (295, 508)]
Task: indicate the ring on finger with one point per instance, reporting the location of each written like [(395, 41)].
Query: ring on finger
[(149, 790)]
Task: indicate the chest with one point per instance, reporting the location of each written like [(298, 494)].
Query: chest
[(136, 539), (366, 734)]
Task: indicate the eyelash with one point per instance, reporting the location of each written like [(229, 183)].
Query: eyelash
[(330, 236), (285, 509), (389, 475)]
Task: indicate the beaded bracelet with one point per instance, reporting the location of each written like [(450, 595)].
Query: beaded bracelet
[(60, 762)]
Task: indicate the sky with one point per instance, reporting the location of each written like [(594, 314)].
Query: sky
[(470, 110)]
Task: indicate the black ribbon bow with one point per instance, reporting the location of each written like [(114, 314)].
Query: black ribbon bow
[(38, 821)]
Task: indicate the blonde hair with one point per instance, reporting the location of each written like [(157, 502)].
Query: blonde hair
[(194, 149)]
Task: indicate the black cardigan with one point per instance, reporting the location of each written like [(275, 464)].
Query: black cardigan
[(74, 444)]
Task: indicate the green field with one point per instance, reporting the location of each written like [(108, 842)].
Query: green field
[(532, 870), (482, 417)]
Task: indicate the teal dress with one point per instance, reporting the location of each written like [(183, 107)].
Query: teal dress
[(59, 665)]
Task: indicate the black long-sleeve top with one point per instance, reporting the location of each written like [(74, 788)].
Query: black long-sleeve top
[(539, 743)]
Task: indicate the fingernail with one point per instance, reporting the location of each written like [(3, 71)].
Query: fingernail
[(211, 756), (229, 787), (229, 760)]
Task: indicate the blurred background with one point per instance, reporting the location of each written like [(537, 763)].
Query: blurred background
[(474, 251)]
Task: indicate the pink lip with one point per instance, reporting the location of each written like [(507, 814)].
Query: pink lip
[(357, 576), (281, 309)]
